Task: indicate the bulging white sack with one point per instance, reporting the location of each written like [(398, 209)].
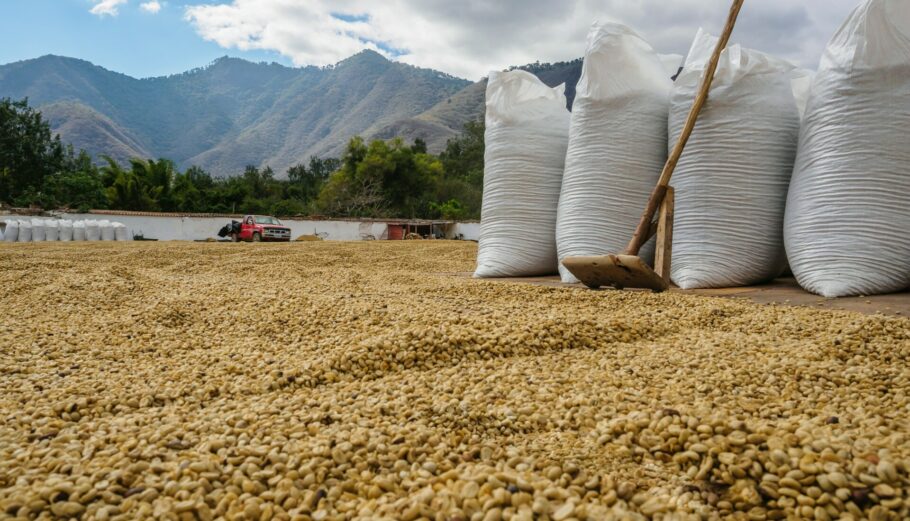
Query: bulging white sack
[(25, 231), (11, 233), (847, 226), (51, 230), (617, 144), (66, 230), (120, 232), (37, 230), (92, 231), (731, 181), (79, 231), (527, 130), (107, 230)]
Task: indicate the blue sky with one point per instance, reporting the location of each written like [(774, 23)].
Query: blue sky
[(133, 42), (467, 38)]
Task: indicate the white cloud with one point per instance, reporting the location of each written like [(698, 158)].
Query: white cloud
[(151, 7), (106, 7), (471, 37)]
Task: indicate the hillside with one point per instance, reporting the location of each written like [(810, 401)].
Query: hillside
[(229, 114), (233, 112), (446, 119)]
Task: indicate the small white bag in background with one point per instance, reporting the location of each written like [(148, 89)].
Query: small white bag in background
[(79, 231), (51, 230), (25, 231), (92, 231), (66, 230)]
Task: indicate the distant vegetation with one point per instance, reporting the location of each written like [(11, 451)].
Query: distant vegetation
[(375, 179)]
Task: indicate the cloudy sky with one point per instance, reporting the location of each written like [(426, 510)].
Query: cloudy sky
[(466, 38)]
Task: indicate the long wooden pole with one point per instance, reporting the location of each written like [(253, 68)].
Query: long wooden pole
[(657, 196)]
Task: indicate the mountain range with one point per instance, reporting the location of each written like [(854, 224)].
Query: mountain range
[(233, 112)]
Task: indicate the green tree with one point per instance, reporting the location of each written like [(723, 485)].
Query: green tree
[(305, 182), (193, 190), (78, 186), (126, 189), (380, 179), (28, 151), (159, 177), (463, 156)]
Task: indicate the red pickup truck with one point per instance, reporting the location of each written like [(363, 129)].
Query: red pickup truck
[(260, 228)]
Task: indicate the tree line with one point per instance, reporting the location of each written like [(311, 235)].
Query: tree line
[(371, 179)]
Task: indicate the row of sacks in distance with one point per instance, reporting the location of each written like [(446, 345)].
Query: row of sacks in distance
[(39, 230), (782, 165)]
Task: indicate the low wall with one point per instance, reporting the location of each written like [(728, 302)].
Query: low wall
[(175, 228)]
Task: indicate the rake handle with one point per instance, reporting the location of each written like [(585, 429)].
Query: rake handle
[(657, 195)]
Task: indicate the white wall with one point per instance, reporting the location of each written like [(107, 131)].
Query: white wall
[(200, 228), (468, 231)]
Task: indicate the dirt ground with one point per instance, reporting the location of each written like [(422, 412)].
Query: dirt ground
[(327, 380)]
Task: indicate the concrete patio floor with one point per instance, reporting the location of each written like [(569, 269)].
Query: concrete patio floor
[(784, 291)]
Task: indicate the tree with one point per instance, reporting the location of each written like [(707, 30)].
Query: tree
[(192, 190), (77, 186), (463, 156), (462, 161), (28, 151), (305, 183), (126, 190), (157, 178), (379, 179)]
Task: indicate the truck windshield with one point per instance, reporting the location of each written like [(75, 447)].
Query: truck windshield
[(266, 220)]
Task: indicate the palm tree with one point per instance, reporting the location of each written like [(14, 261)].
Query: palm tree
[(127, 189)]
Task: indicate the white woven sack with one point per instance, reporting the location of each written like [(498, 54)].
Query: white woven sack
[(92, 231), (527, 130), (79, 231), (731, 181), (107, 230), (66, 230), (25, 231), (847, 226), (11, 233), (51, 230), (120, 232), (37, 230), (617, 144)]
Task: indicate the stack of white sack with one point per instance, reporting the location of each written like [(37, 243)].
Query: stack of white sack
[(121, 233), (37, 230), (107, 230), (66, 230), (79, 231), (25, 231), (731, 182), (847, 226), (51, 230), (92, 231), (617, 144), (11, 232), (527, 130)]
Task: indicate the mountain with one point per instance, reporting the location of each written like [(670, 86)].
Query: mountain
[(445, 120), (232, 112), (228, 114)]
